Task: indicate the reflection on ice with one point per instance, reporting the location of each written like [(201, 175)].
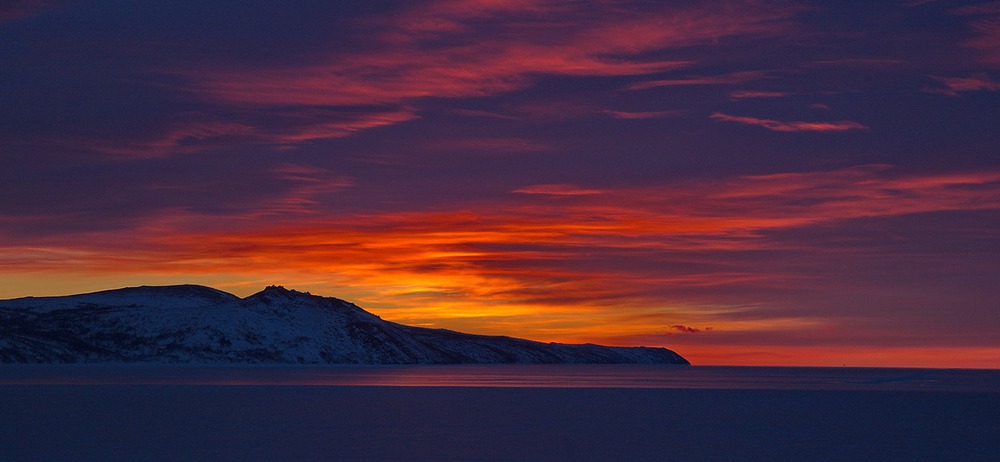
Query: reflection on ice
[(525, 376)]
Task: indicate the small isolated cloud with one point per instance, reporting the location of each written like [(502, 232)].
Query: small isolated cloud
[(688, 330), (757, 94), (641, 115), (558, 190), (952, 86), (793, 126)]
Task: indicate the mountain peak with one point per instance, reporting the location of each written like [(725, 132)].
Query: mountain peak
[(276, 289), (273, 293)]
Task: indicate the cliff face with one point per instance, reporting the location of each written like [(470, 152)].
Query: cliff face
[(194, 324)]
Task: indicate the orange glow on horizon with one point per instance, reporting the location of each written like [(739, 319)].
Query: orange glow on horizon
[(951, 357), (545, 265)]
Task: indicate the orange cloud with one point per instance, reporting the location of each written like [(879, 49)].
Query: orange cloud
[(600, 264), (797, 126)]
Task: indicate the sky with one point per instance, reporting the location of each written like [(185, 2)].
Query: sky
[(745, 182)]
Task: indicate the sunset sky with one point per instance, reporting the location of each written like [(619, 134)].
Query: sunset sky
[(745, 182)]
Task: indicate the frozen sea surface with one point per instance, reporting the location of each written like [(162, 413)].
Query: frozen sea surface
[(530, 376), (497, 413)]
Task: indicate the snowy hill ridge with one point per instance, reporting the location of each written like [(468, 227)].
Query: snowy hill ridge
[(196, 324)]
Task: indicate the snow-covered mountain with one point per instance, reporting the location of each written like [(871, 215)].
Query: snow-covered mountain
[(195, 324)]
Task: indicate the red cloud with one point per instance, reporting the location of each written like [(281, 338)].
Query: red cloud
[(182, 137), (309, 184), (725, 79), (459, 49), (558, 190), (410, 57), (986, 26), (641, 115), (757, 94), (288, 127), (954, 85), (779, 126), (439, 50)]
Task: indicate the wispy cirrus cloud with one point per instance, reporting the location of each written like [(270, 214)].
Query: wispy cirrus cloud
[(282, 128), (17, 9), (986, 25), (792, 126), (642, 115), (444, 49), (179, 137), (406, 56), (558, 190), (858, 62), (745, 94), (724, 79), (952, 86), (438, 49), (308, 185), (476, 146)]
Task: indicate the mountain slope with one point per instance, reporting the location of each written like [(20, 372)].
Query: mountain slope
[(195, 324)]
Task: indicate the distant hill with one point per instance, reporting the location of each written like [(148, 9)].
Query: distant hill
[(196, 324)]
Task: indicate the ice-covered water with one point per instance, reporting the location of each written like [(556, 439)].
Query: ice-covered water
[(496, 413)]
